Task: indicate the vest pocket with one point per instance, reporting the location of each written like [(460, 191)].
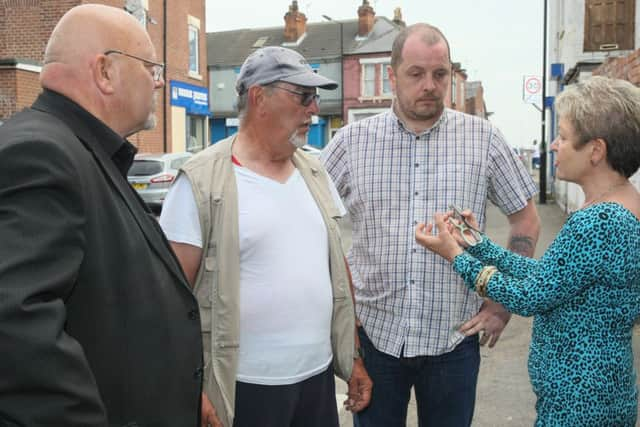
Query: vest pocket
[(210, 264), (204, 293)]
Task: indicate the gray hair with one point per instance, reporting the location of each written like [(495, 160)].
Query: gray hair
[(606, 108), (242, 104), (430, 35)]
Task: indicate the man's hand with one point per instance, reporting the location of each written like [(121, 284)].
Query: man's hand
[(360, 386), (209, 415), (491, 320)]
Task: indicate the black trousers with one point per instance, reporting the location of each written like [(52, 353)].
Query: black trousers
[(309, 403)]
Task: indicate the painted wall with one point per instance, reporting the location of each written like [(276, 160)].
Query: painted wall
[(178, 129)]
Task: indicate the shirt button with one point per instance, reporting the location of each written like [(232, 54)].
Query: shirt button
[(193, 314), (417, 138), (415, 222), (414, 250), (416, 164), (412, 281), (416, 193)]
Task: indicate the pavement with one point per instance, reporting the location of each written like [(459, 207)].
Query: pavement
[(503, 397)]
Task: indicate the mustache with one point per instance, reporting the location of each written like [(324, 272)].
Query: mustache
[(429, 98)]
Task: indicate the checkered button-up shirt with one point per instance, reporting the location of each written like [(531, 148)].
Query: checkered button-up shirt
[(390, 179)]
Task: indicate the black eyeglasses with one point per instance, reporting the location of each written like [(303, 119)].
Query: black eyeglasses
[(156, 67), (306, 98)]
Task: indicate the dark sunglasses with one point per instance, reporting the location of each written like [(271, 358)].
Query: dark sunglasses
[(306, 98)]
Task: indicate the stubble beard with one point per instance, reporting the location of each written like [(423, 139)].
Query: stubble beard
[(151, 121), (412, 111), (427, 114), (298, 140)]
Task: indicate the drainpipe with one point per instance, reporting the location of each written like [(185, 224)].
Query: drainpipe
[(164, 88), (543, 143)]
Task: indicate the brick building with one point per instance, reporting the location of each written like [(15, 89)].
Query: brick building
[(177, 29)]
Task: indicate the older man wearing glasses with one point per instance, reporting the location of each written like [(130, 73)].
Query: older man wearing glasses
[(98, 325), (252, 220)]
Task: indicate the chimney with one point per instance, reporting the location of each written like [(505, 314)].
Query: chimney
[(366, 17), (397, 17), (295, 23)]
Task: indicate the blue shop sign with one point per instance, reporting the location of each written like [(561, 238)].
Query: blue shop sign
[(194, 98)]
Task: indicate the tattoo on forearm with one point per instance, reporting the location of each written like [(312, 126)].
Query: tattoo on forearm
[(522, 245)]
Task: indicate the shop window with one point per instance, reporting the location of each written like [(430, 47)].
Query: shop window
[(195, 133)]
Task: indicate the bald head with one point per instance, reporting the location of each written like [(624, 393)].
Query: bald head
[(90, 29), (106, 85)]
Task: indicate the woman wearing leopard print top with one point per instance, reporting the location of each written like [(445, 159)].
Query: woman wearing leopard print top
[(584, 293)]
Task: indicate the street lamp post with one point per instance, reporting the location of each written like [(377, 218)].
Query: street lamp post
[(543, 143), (328, 18)]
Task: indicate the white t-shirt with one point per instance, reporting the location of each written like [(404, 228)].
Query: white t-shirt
[(285, 287)]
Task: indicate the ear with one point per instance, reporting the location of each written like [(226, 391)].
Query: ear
[(598, 151), (103, 72), (257, 96), (392, 78)]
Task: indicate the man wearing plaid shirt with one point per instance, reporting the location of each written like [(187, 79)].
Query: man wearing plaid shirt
[(420, 324)]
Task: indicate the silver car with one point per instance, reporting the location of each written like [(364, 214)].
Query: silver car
[(152, 174)]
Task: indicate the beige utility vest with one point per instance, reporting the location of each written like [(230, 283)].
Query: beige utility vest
[(217, 284)]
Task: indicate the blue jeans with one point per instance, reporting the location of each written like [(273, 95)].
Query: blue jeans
[(445, 386)]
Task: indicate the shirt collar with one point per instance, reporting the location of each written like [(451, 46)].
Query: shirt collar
[(117, 148), (441, 120)]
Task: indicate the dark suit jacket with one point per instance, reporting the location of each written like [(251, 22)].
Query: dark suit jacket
[(98, 325)]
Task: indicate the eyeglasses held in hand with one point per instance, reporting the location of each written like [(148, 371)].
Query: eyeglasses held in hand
[(306, 98), (156, 67)]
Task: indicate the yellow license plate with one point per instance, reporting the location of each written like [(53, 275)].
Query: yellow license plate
[(138, 186)]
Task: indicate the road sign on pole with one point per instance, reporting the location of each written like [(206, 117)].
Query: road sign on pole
[(532, 90)]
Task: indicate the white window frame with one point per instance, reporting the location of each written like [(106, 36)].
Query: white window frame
[(194, 27), (371, 80), (384, 69), (378, 85)]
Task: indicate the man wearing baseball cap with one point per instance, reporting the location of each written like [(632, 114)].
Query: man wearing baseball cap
[(252, 220)]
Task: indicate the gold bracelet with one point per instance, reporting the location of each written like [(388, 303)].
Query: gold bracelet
[(480, 277), (480, 286), (483, 279), (481, 283)]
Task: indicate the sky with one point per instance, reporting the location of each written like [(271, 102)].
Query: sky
[(496, 41)]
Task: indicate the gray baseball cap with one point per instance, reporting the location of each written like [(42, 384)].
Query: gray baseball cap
[(278, 64)]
